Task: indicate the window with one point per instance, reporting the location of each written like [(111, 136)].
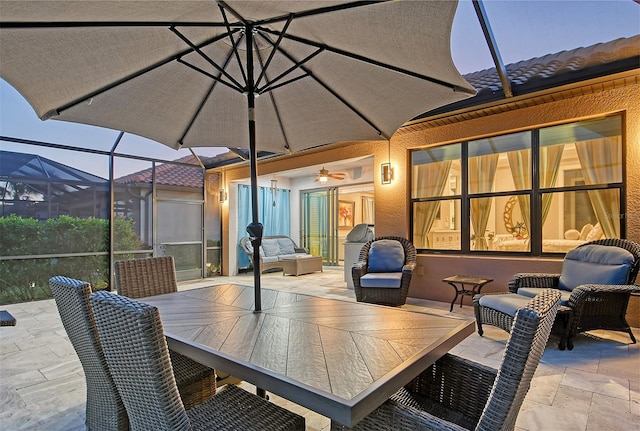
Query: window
[(544, 190)]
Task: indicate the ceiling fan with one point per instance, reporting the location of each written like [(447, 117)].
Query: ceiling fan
[(324, 175)]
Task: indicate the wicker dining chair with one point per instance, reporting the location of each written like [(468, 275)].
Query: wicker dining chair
[(138, 278), (195, 381), (384, 277), (104, 408), (135, 348), (456, 393)]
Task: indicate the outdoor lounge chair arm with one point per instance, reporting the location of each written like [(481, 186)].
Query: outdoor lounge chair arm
[(533, 280), (408, 267)]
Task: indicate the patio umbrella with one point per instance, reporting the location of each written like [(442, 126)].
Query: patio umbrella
[(279, 76)]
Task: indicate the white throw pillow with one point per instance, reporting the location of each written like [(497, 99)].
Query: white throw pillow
[(596, 233), (572, 234)]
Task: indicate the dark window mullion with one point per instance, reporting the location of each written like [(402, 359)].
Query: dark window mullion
[(535, 216), (465, 218)]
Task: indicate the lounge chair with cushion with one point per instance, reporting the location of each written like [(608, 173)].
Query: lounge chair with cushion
[(596, 282), (383, 272)]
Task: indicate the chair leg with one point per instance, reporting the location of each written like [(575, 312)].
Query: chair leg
[(633, 339)]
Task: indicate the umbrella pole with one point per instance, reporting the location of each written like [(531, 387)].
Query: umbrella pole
[(253, 158)]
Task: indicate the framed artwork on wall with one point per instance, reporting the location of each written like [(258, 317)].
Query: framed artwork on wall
[(346, 210)]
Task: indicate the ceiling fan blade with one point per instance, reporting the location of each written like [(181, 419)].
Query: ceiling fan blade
[(337, 176)]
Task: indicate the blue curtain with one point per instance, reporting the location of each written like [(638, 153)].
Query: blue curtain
[(275, 218)]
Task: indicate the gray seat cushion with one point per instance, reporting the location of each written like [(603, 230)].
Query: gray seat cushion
[(508, 303), (595, 264), (386, 255), (385, 280), (270, 247), (530, 292), (286, 246)]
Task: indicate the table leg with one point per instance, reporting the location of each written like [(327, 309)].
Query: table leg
[(455, 297)]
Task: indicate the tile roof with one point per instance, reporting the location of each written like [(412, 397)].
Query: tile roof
[(551, 70), (168, 174)]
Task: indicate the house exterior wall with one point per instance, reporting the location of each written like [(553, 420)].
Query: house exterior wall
[(613, 95), (617, 94)]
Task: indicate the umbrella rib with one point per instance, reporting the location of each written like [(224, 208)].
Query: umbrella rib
[(274, 49), (206, 57), (335, 94), (78, 100), (354, 56), (269, 85), (202, 103), (275, 106), (233, 43), (319, 11)]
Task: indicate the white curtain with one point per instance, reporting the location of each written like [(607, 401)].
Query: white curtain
[(482, 173), (429, 179), (601, 162)]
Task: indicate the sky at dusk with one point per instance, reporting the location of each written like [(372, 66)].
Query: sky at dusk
[(523, 29)]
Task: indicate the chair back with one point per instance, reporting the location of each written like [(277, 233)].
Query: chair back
[(525, 347), (409, 249), (630, 246), (104, 408), (137, 278), (136, 350)]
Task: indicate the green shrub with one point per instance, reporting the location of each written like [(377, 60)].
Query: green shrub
[(28, 279)]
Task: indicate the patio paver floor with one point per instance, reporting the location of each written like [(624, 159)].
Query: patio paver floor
[(596, 386)]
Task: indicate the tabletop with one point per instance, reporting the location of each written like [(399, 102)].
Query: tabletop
[(341, 359)]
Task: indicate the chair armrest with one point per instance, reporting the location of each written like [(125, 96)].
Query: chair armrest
[(301, 250), (582, 292), (458, 383), (409, 267), (359, 269), (543, 281)]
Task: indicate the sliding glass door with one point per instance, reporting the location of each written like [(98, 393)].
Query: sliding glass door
[(320, 224)]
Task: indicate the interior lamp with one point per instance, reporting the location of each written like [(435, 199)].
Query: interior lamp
[(386, 173), (323, 178)]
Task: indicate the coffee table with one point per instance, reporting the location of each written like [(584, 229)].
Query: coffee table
[(301, 265)]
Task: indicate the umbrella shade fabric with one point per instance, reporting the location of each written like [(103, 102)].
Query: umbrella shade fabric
[(324, 71)]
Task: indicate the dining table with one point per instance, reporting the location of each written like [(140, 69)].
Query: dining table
[(339, 358)]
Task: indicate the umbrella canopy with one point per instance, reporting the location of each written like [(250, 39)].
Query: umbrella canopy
[(280, 76)]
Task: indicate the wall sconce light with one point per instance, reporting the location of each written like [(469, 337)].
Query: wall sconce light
[(223, 195), (386, 173)]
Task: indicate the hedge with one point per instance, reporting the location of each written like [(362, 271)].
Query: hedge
[(24, 280)]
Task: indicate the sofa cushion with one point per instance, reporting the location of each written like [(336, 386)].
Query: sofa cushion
[(508, 303), (530, 292), (386, 255), (271, 247), (286, 246), (595, 264), (383, 280), (294, 256)]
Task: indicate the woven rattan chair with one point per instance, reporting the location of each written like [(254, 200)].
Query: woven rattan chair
[(136, 351), (196, 382), (138, 278), (381, 293), (587, 307), (104, 408), (456, 393)]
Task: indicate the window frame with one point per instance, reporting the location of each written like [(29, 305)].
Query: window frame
[(535, 194)]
